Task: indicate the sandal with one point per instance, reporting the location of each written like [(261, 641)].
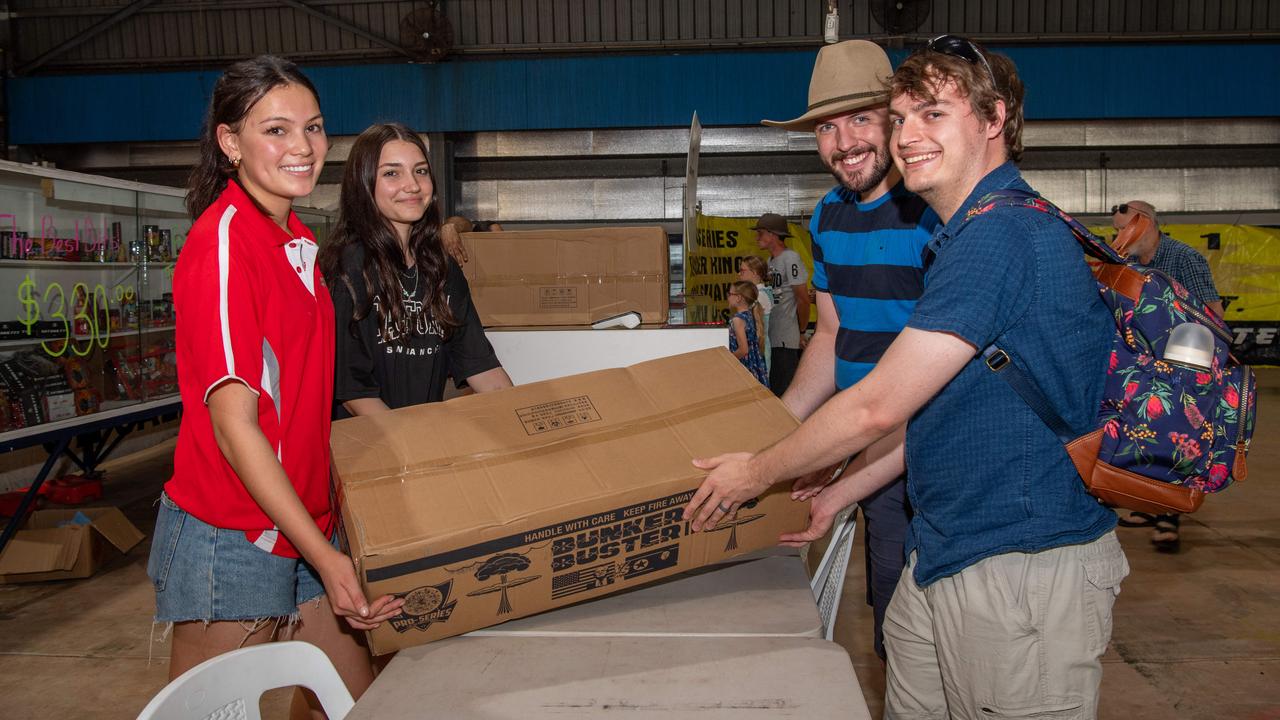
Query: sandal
[(1136, 519), (1165, 537)]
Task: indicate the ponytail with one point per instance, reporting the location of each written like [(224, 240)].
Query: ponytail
[(758, 313)]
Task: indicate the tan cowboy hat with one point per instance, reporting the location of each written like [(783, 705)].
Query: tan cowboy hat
[(846, 76)]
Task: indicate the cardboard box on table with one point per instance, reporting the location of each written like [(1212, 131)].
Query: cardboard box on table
[(492, 507), (53, 545), (568, 277)]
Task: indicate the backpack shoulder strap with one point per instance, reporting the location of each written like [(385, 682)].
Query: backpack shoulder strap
[(996, 359), (999, 362), (1093, 245)]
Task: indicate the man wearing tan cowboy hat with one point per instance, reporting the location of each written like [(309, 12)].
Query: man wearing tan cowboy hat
[(789, 280), (868, 236)]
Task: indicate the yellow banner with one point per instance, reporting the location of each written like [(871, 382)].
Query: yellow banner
[(1245, 261), (712, 263)]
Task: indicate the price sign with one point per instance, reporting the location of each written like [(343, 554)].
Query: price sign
[(88, 308)]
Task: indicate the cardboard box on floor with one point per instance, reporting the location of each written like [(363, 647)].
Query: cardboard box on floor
[(54, 546), (492, 507), (568, 277)]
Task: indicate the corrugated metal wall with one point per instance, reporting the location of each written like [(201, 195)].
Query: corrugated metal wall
[(60, 35), (566, 175), (1184, 167)]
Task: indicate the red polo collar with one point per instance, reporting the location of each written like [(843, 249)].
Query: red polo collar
[(265, 227)]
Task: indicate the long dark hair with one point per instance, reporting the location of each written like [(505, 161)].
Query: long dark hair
[(361, 223), (240, 88)]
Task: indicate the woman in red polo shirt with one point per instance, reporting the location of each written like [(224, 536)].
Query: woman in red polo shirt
[(244, 547), (405, 321)]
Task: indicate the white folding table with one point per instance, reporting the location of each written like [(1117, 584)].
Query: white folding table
[(674, 678)]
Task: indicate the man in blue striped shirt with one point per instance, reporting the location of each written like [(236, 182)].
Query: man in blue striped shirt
[(869, 233)]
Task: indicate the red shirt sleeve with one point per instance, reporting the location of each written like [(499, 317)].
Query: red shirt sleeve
[(220, 326)]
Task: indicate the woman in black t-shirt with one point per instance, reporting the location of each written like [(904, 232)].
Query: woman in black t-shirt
[(404, 316)]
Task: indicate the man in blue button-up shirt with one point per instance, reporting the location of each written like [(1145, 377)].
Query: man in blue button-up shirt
[(1005, 605)]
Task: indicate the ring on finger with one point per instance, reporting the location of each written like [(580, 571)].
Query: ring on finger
[(724, 507)]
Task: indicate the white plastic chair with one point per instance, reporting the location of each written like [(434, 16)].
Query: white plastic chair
[(828, 579), (229, 687)]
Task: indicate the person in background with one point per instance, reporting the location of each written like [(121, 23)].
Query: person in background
[(1181, 262), (744, 329), (789, 280), (868, 236), (1172, 257), (403, 309), (752, 269), (1005, 605), (451, 235), (245, 549)]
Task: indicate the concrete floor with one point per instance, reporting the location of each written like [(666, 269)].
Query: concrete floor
[(1197, 635)]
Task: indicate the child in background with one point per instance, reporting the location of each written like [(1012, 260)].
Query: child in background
[(753, 269), (745, 341)]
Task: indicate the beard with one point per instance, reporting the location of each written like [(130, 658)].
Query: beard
[(865, 179)]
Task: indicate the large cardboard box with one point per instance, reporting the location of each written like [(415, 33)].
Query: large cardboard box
[(491, 507), (568, 277), (66, 544)]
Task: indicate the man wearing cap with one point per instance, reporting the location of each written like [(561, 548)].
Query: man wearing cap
[(868, 235), (1182, 263), (790, 317)]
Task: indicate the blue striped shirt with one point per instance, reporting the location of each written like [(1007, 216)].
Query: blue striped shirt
[(867, 257)]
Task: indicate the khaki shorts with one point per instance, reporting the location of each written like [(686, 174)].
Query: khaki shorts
[(1014, 635)]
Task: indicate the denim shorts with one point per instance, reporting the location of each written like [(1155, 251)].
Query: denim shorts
[(201, 572)]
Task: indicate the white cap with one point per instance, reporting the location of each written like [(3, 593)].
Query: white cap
[(1191, 345)]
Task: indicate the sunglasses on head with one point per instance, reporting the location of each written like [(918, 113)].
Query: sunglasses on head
[(958, 47)]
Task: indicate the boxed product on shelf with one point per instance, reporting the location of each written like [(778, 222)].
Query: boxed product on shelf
[(85, 376), (491, 507), (14, 245), (39, 386), (87, 400), (38, 330), (124, 375), (108, 248), (77, 373), (6, 416), (129, 313), (81, 324), (159, 313), (59, 400), (25, 407), (160, 369), (158, 243)]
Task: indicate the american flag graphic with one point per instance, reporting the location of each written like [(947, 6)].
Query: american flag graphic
[(583, 579)]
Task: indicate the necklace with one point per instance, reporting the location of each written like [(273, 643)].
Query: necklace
[(409, 294)]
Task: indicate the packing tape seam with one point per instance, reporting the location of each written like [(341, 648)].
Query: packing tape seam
[(483, 279), (529, 450)]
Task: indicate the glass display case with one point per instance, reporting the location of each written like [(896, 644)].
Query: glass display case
[(86, 310)]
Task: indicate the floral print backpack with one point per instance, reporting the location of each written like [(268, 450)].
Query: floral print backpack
[(1166, 433)]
